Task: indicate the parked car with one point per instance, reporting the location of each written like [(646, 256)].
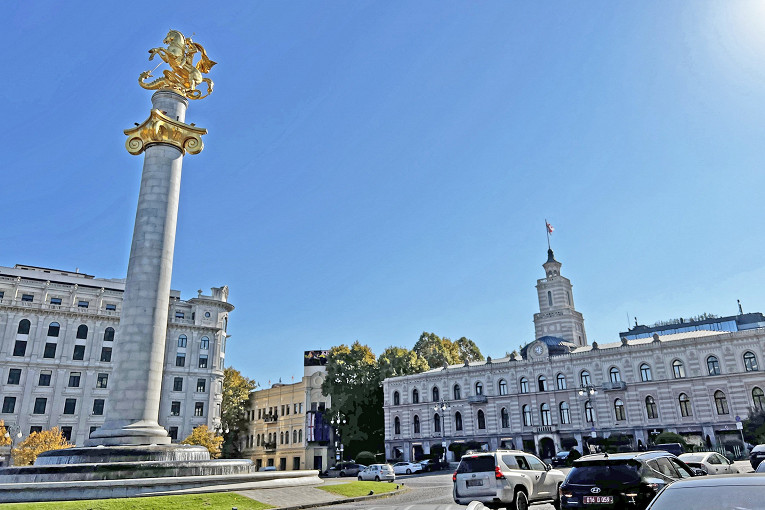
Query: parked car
[(433, 465), (760, 468), (757, 455), (726, 492), (406, 468), (267, 468), (559, 459), (378, 473), (505, 477), (711, 463), (345, 469), (673, 448), (620, 480)]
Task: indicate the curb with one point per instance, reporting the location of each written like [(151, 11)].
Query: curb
[(347, 500)]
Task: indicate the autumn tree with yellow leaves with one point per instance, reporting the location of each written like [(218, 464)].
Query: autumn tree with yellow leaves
[(5, 436), (202, 436), (36, 443)]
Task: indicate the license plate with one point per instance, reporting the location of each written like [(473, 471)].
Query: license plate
[(587, 500), (474, 483)]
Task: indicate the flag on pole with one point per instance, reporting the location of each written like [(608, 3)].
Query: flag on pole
[(549, 228)]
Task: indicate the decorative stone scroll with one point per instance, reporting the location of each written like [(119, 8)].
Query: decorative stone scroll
[(159, 128)]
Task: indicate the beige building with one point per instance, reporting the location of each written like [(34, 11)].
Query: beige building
[(57, 333), (695, 378), (287, 427)]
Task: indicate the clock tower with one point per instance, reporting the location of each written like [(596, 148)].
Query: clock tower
[(557, 316)]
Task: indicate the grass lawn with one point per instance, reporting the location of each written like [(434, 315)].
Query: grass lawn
[(211, 501), (353, 489)]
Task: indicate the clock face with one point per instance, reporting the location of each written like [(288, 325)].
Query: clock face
[(538, 349)]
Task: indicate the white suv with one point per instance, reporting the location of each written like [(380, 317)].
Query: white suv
[(506, 478)]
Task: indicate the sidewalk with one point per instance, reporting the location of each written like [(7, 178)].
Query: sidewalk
[(293, 498)]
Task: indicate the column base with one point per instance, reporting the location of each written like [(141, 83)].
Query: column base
[(143, 432)]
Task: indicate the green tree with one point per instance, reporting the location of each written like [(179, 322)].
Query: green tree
[(754, 426), (469, 351), (353, 382), (396, 361), (202, 436), (236, 394), (437, 350)]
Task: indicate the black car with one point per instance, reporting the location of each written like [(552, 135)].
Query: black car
[(433, 465), (620, 480), (757, 455), (559, 459)]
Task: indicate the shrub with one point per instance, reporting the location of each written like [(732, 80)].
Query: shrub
[(203, 437), (365, 458)]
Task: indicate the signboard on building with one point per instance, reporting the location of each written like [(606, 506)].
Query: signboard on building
[(315, 358)]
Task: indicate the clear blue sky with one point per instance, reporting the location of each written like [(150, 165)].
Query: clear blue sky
[(378, 169)]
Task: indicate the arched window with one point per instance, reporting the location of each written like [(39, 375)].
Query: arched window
[(568, 298), (619, 410), (396, 426), (750, 361), (82, 332), (23, 329), (478, 388), (300, 435), (481, 420), (54, 328), (650, 408), (457, 392), (721, 403), (502, 387), (565, 415), (281, 438), (614, 375), (435, 394), (713, 365), (685, 405), (396, 398), (109, 335), (415, 396), (204, 343), (457, 421), (758, 398), (678, 369), (505, 416), (589, 414), (544, 413), (524, 385), (526, 411), (416, 424), (549, 298), (257, 440), (436, 423), (294, 436), (585, 379), (560, 381), (287, 437), (645, 372), (182, 341), (542, 380)]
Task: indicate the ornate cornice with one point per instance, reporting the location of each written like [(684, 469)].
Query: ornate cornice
[(159, 128)]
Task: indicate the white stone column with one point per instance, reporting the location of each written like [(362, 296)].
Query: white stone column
[(132, 409)]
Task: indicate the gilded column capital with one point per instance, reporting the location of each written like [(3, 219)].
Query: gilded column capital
[(159, 128)]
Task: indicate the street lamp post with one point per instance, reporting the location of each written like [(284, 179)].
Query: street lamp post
[(441, 407), (12, 432), (337, 420), (590, 391)]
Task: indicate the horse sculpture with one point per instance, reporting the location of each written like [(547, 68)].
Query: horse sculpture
[(183, 76)]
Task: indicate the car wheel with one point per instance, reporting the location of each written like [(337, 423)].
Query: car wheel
[(556, 502), (409, 471), (520, 501), (360, 479), (377, 478)]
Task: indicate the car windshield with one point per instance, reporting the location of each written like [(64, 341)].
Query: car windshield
[(739, 497), (599, 471), (476, 464)]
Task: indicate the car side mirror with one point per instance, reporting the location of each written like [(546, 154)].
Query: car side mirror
[(698, 472), (548, 467)]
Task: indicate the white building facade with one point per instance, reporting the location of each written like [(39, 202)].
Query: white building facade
[(561, 392), (57, 333)]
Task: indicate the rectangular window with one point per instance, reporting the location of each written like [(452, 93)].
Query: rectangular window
[(175, 408), (295, 409), (174, 433), (69, 405), (50, 350), (55, 301), (67, 433), (205, 343), (9, 404), (178, 384), (2, 294), (14, 376), (301, 407), (74, 379), (180, 360), (83, 304), (106, 354), (79, 353), (92, 429), (199, 408), (44, 378), (28, 298), (179, 314), (201, 385), (20, 348), (111, 308), (102, 381), (35, 428), (98, 407), (40, 403), (203, 361)]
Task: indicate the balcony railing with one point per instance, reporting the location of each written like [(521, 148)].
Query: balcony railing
[(614, 386), (270, 418), (545, 428), (270, 446), (477, 399)]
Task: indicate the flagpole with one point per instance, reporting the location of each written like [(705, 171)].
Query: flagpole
[(547, 230)]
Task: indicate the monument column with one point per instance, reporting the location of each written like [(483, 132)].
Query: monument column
[(132, 410)]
